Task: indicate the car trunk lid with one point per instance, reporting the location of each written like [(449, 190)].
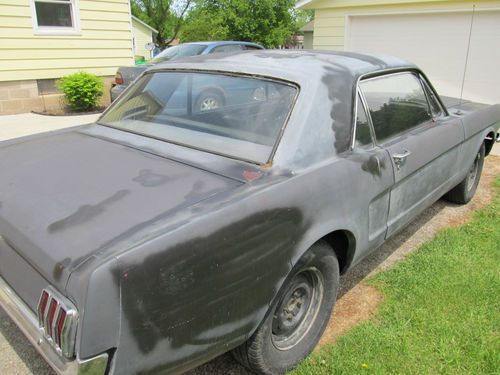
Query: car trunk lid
[(66, 196), (129, 73)]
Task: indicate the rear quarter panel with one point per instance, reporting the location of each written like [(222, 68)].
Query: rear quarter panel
[(203, 288), (479, 120)]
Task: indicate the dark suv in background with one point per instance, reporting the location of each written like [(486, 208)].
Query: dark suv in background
[(126, 74)]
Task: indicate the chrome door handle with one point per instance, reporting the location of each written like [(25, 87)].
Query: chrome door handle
[(400, 159)]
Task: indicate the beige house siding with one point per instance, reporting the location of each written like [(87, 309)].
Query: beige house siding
[(332, 16), (142, 35), (103, 43), (308, 39), (100, 43)]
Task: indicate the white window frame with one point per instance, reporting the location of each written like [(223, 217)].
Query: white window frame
[(57, 30)]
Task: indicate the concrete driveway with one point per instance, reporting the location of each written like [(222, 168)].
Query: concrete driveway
[(14, 126), (18, 357)]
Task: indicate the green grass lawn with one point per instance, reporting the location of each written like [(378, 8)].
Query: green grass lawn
[(441, 310)]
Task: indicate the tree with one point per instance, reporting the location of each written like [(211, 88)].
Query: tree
[(166, 16), (302, 17), (267, 22), (202, 25)]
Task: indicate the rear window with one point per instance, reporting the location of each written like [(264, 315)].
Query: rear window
[(236, 116)]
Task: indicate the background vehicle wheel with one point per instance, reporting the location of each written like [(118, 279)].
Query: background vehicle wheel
[(464, 191), (209, 100), (298, 316)]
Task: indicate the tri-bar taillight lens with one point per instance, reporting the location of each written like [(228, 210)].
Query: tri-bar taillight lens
[(119, 78), (58, 320)]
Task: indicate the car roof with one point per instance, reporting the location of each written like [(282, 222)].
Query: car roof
[(224, 42), (327, 82), (299, 66)]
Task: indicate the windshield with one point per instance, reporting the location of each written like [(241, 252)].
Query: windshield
[(236, 116), (174, 53)]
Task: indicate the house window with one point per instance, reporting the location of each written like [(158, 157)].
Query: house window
[(55, 16), (47, 86)]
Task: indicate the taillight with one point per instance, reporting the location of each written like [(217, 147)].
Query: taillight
[(119, 78), (42, 306), (50, 316), (59, 326), (58, 320)]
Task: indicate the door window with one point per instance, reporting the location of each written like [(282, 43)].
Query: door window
[(397, 103)]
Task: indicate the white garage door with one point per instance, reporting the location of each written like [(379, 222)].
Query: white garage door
[(437, 43)]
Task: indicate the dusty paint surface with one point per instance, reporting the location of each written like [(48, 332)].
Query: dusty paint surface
[(356, 303), (184, 250)]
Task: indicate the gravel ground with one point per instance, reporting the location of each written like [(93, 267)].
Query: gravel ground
[(356, 303)]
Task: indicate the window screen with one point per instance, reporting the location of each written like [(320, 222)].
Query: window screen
[(397, 103)]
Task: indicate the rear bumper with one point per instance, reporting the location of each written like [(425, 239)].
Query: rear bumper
[(26, 320)]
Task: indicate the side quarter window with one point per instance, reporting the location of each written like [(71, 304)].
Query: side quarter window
[(363, 137), (397, 104), (251, 48), (227, 48), (433, 101)]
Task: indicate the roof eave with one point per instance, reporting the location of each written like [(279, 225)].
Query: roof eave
[(145, 24), (302, 3)]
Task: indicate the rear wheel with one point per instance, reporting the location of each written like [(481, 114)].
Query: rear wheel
[(297, 318), (465, 190), (209, 100)]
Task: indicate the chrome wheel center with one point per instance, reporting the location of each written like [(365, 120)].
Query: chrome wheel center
[(208, 104)]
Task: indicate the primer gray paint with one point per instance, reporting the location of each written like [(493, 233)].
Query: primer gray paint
[(171, 256)]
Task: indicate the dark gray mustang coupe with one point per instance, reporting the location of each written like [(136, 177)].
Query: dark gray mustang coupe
[(168, 233)]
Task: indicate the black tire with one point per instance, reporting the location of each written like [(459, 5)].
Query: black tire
[(297, 318), (208, 100), (465, 190)]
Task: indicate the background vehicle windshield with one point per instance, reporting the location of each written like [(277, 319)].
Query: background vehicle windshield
[(237, 116), (177, 52)]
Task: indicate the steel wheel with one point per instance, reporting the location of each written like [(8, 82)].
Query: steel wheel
[(471, 177), (297, 310), (465, 190), (297, 317)]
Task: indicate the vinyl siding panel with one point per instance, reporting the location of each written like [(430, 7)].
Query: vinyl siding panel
[(331, 15), (322, 4), (142, 35), (103, 43)]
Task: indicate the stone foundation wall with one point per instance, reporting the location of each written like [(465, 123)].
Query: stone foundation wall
[(23, 96)]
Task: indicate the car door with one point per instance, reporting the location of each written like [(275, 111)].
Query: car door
[(373, 178), (421, 139)]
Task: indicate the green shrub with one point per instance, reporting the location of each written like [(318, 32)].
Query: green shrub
[(82, 90)]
